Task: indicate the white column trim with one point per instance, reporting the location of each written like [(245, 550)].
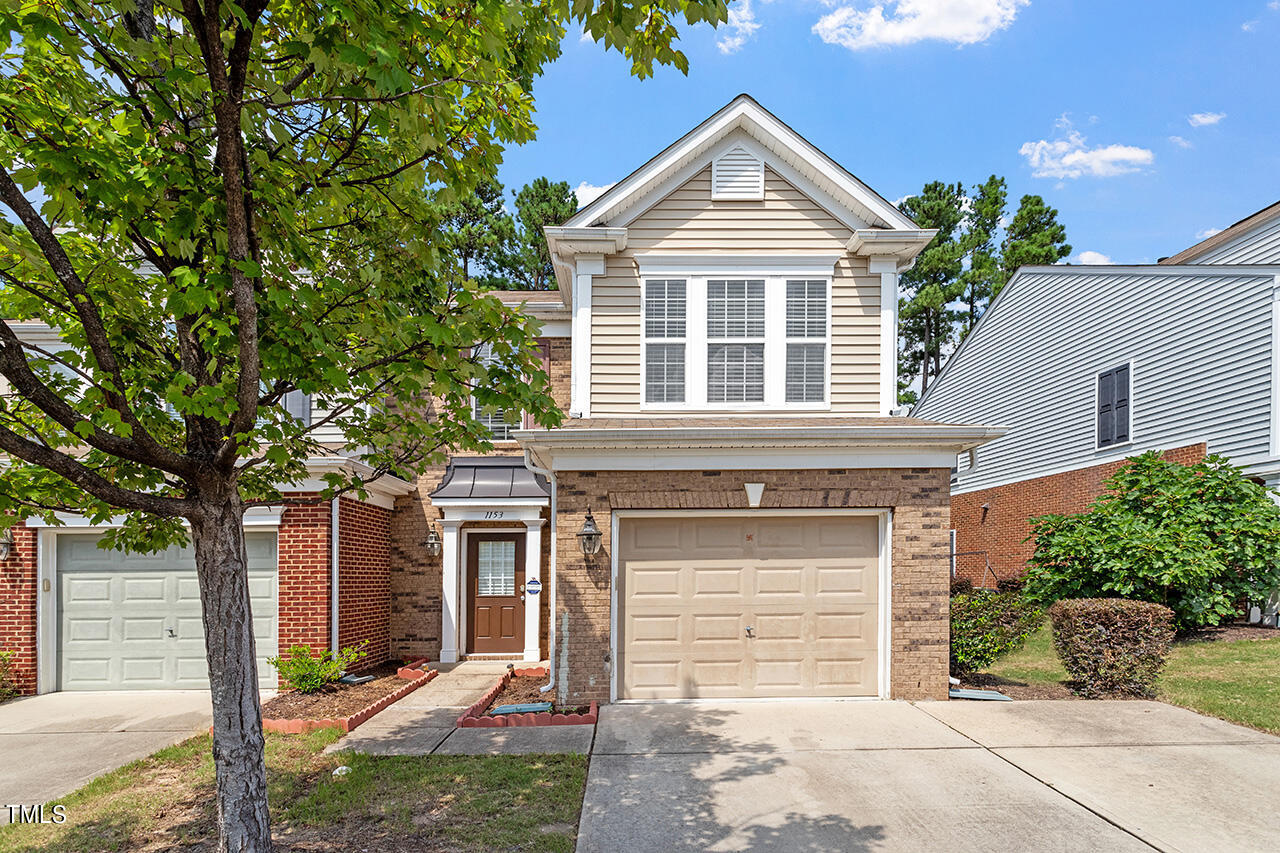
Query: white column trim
[(532, 603), (449, 589), (887, 268), (585, 267), (1275, 369)]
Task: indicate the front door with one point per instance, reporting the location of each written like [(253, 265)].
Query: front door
[(495, 579)]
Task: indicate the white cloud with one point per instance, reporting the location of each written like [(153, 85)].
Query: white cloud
[(1202, 119), (1207, 233), (911, 21), (1069, 156), (1274, 5), (1181, 143), (740, 28), (1248, 26), (1092, 258), (588, 193)]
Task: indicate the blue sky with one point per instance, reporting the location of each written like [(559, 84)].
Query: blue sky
[(1147, 124)]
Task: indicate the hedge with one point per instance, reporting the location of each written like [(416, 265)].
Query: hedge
[(1112, 646), (987, 624)]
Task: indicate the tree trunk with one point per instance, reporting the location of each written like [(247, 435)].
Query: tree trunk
[(221, 565)]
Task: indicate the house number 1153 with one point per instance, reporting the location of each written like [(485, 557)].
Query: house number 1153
[(492, 513)]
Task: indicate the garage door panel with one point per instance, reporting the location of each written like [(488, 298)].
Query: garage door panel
[(808, 588), (131, 621)]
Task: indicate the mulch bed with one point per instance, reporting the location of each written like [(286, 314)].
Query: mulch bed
[(524, 689), (1018, 689), (1227, 633), (336, 700)]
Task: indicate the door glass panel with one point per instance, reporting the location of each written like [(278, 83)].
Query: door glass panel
[(497, 568)]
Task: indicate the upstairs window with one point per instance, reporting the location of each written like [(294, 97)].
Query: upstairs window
[(664, 331), (735, 341), (806, 341), (1113, 406), (491, 417)]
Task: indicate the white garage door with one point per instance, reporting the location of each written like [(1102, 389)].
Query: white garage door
[(132, 621), (749, 607)]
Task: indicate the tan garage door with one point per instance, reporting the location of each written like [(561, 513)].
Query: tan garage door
[(692, 587)]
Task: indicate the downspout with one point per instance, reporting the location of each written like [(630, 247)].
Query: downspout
[(333, 578), (551, 568)]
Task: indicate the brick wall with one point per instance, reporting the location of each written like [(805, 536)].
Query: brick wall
[(364, 583), (919, 499), (303, 550), (1001, 531), (18, 586)]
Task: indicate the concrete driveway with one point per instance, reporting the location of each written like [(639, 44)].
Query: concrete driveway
[(52, 744), (957, 776)]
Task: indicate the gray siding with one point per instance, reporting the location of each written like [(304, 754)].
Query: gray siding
[(1260, 245), (1200, 348)]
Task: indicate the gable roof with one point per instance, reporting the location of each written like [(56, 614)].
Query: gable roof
[(857, 204), (1225, 236)]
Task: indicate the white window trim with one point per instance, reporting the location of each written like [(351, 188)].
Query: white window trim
[(1097, 374), (645, 340), (775, 342)]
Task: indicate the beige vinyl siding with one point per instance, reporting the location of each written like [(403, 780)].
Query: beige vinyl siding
[(688, 221)]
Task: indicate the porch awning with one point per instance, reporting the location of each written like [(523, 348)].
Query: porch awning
[(491, 479)]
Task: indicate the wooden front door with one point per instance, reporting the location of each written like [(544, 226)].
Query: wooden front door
[(495, 580)]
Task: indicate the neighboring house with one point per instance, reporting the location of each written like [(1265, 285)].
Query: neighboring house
[(724, 340), (1090, 365)]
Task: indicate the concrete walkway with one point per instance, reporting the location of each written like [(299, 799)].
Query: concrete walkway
[(957, 776), (422, 723), (52, 744)]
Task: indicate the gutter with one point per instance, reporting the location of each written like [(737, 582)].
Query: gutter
[(551, 568), (963, 437), (333, 577)]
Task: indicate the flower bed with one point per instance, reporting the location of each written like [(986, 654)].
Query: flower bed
[(347, 723), (474, 717)]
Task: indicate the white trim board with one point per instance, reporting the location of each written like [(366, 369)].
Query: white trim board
[(884, 608)]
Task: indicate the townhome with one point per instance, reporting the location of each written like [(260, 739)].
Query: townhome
[(729, 510)]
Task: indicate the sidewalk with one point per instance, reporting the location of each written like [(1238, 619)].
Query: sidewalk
[(422, 723)]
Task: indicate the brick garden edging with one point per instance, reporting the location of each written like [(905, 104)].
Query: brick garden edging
[(413, 669), (473, 718), (294, 727)]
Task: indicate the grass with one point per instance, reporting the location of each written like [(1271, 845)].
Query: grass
[(1235, 680), (386, 803)]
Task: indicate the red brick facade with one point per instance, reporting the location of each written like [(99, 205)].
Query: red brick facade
[(999, 532), (303, 557), (918, 498), (18, 585), (364, 579)]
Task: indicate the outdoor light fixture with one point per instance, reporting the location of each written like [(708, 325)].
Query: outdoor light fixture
[(6, 544), (433, 542), (589, 538)]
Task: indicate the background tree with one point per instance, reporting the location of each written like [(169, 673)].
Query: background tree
[(542, 202), (981, 278), (1033, 237), (478, 231), (240, 201)]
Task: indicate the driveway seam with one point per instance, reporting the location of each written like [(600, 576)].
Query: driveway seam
[(1051, 787)]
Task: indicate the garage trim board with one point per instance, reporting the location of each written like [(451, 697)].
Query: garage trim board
[(884, 605), (256, 519)]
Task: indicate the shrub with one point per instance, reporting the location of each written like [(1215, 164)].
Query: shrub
[(959, 586), (305, 672), (988, 624), (1199, 539), (7, 688), (1112, 646)]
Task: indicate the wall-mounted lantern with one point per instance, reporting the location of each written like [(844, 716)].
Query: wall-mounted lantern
[(589, 537), (6, 544), (433, 541)]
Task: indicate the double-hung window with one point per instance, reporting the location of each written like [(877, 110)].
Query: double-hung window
[(665, 319), (735, 341), (490, 416), (806, 341)]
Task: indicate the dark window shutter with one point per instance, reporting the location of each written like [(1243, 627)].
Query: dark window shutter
[(1106, 408), (1121, 404)]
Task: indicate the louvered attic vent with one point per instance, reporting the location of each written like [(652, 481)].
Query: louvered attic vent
[(737, 175)]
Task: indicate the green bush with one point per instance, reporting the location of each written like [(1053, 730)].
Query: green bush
[(987, 624), (7, 688), (306, 672), (1112, 646), (1199, 539)]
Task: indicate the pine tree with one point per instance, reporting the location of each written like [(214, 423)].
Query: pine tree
[(1033, 237), (927, 319), (478, 231), (527, 263)]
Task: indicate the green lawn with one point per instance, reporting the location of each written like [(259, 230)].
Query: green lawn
[(1236, 680), (463, 803)]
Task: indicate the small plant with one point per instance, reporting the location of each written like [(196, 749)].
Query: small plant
[(987, 624), (1112, 646), (960, 586), (1199, 539), (306, 672), (7, 688)]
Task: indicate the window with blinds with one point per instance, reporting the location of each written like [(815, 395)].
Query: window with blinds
[(806, 377), (664, 330), (494, 419), (735, 341), (495, 567)]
